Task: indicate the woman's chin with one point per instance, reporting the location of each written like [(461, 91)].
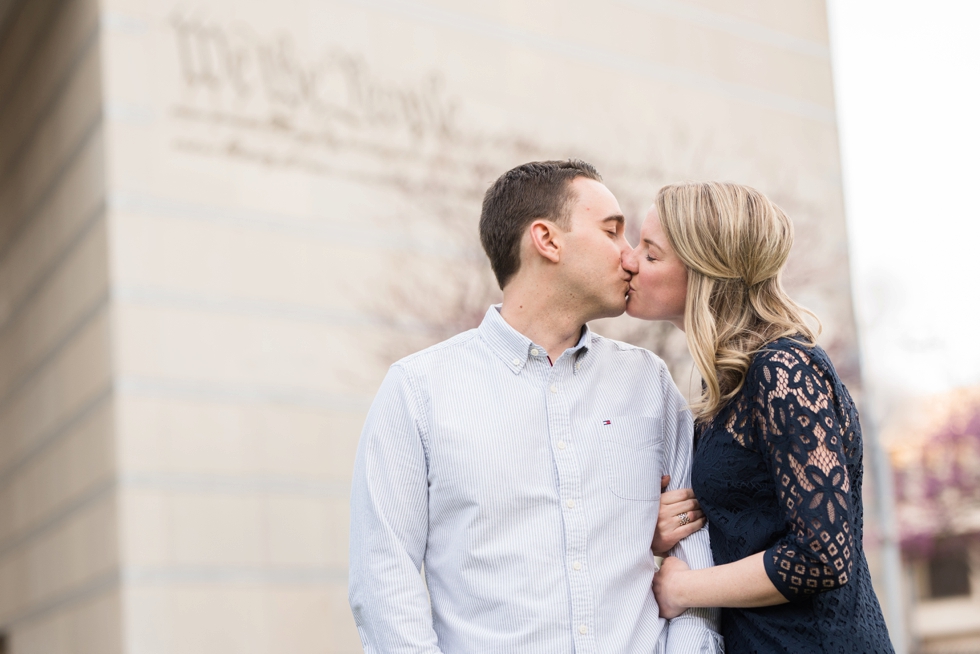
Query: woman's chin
[(634, 309)]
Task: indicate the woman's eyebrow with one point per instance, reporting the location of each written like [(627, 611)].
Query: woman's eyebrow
[(653, 244)]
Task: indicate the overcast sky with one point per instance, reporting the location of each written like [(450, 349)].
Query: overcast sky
[(907, 77)]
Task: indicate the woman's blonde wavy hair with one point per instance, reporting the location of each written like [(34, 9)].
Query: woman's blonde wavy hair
[(734, 243)]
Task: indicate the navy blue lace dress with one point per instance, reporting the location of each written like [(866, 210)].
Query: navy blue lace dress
[(779, 470)]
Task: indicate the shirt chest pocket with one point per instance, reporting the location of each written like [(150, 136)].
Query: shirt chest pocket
[(632, 448)]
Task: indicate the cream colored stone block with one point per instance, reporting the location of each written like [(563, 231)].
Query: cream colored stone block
[(16, 48), (71, 468), (805, 20), (15, 579), (72, 30), (637, 36), (8, 512), (62, 131), (224, 352), (246, 619), (305, 531), (75, 550), (91, 625), (146, 529), (181, 435), (319, 276), (308, 622), (232, 525), (216, 529), (75, 378), (73, 204), (78, 286), (71, 553)]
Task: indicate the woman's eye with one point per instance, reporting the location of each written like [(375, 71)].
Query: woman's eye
[(649, 258)]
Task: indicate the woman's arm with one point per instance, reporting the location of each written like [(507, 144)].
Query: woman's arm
[(742, 584), (803, 443)]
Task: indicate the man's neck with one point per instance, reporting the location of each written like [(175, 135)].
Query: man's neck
[(543, 319)]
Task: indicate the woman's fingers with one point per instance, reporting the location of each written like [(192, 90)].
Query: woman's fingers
[(677, 508), (669, 512), (690, 528), (670, 526), (679, 495), (670, 532), (692, 515), (673, 504)]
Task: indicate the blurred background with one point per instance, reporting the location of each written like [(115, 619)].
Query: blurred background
[(221, 221)]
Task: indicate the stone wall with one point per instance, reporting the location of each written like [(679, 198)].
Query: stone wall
[(222, 220), (59, 553)]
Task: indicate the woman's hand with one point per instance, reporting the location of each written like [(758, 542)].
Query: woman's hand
[(666, 581), (669, 529)]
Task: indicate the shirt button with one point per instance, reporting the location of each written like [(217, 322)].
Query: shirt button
[(516, 362), (554, 389), (582, 629), (561, 445), (578, 365), (577, 565), (534, 352), (570, 504)]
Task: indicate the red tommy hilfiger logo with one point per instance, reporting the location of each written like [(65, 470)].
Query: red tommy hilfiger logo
[(607, 422)]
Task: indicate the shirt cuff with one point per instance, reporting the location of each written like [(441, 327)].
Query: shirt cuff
[(695, 633)]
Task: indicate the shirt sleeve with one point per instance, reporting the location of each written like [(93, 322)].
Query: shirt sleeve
[(801, 437), (696, 630), (389, 525)]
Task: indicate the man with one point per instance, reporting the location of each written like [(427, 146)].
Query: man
[(520, 462)]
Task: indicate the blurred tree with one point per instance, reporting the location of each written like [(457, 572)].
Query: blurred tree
[(938, 484)]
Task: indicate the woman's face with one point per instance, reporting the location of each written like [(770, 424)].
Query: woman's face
[(659, 285)]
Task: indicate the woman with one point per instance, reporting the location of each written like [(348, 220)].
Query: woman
[(777, 460)]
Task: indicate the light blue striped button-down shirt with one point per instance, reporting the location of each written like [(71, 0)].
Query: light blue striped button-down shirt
[(530, 493)]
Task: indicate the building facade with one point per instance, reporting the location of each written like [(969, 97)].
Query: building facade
[(220, 221)]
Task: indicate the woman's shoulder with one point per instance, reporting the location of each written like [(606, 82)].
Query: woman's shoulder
[(791, 354)]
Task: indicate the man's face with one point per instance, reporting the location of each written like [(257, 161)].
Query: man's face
[(593, 250)]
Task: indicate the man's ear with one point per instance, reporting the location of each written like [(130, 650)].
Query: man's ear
[(546, 239)]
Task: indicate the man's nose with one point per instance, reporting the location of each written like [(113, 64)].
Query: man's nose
[(628, 261)]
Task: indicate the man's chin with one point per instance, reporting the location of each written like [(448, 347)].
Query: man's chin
[(615, 309)]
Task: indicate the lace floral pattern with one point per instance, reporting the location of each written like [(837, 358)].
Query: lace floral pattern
[(779, 470), (794, 411)]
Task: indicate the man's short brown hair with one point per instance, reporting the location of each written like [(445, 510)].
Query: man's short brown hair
[(540, 189)]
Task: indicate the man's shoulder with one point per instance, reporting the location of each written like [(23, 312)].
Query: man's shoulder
[(418, 361)]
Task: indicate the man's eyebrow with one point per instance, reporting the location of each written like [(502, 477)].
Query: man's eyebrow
[(618, 218)]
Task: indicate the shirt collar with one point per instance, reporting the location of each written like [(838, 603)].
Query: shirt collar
[(514, 348)]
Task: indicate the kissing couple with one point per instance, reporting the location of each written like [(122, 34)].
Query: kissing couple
[(537, 471)]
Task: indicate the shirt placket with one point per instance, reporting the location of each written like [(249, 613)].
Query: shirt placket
[(566, 452)]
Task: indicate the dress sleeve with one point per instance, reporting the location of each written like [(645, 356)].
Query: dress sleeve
[(801, 438)]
